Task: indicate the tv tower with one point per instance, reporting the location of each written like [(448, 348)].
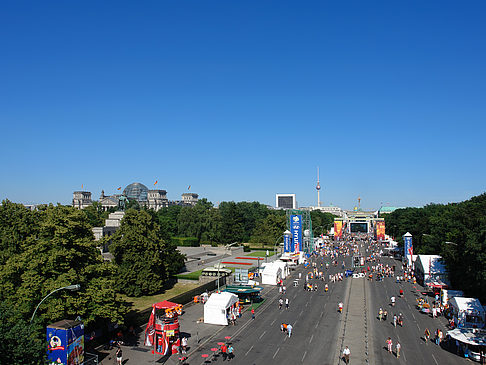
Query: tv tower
[(318, 188)]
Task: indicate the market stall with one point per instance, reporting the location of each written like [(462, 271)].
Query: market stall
[(467, 312), (271, 274), (471, 342), (219, 307), (162, 331), (246, 294)]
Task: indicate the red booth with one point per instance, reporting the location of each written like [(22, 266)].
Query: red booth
[(162, 332)]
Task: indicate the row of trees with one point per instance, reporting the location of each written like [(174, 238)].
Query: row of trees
[(455, 231)]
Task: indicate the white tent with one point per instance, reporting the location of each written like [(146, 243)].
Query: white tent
[(430, 267), (271, 274), (467, 312), (284, 266), (218, 306)]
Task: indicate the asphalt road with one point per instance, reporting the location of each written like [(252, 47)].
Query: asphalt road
[(316, 336)]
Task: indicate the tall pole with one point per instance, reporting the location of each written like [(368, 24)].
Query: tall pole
[(318, 188)]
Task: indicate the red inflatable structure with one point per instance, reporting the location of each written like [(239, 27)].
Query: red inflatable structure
[(162, 332)]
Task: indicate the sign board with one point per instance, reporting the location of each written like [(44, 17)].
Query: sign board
[(241, 276), (287, 242), (296, 232)]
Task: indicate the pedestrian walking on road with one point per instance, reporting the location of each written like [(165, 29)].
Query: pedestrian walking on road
[(224, 351), (398, 348), (252, 313), (380, 314), (231, 354), (385, 314), (389, 344), (395, 318), (287, 303), (119, 355), (346, 354), (289, 329), (426, 335)]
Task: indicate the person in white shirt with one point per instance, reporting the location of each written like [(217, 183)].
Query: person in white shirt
[(346, 354)]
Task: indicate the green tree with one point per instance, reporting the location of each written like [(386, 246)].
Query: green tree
[(269, 229), (144, 260), (61, 252), (232, 227)]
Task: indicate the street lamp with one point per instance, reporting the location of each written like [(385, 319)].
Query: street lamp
[(74, 287)]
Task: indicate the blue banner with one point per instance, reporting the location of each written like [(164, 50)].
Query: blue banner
[(408, 247), (296, 231), (287, 241)]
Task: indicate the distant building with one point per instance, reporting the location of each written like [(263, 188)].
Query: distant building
[(112, 223), (152, 199), (388, 210), (82, 199), (285, 201), (189, 199), (330, 209)]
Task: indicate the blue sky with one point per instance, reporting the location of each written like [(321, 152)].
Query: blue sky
[(242, 100)]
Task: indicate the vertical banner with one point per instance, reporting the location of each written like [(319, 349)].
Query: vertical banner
[(287, 243), (380, 230), (296, 231), (338, 229), (408, 248)]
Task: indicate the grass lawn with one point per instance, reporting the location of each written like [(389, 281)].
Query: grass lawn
[(141, 303), (261, 253), (191, 275)]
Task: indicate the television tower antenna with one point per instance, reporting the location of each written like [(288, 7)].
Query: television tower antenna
[(318, 188)]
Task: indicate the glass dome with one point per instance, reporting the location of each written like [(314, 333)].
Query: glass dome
[(136, 191)]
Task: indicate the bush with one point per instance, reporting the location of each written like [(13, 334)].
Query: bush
[(185, 241), (246, 249)]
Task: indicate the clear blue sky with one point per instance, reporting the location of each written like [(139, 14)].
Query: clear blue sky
[(244, 99)]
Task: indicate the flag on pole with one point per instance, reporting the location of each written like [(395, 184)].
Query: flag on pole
[(156, 181), (189, 187), (81, 186), (119, 188)]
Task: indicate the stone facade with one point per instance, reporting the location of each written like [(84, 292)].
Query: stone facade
[(82, 199)]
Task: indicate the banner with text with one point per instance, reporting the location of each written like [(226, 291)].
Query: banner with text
[(287, 241), (408, 248), (296, 231)]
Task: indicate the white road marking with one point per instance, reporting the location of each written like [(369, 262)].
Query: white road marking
[(305, 353), (311, 338), (275, 354), (251, 348), (273, 322), (435, 359), (417, 326), (413, 316), (262, 334), (317, 324)]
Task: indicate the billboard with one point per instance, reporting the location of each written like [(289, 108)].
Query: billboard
[(380, 230), (296, 232), (65, 343), (338, 229), (287, 242)]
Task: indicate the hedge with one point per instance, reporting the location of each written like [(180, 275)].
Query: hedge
[(185, 241)]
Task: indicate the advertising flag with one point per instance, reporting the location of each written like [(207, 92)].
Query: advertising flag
[(296, 231), (338, 229), (407, 247), (156, 181), (119, 188), (287, 243), (380, 230)]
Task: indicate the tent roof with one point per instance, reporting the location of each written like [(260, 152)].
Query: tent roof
[(432, 264), (164, 305), (223, 300), (271, 269), (467, 304), (469, 336)]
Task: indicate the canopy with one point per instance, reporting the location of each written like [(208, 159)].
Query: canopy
[(216, 307), (467, 304), (165, 305), (469, 336)]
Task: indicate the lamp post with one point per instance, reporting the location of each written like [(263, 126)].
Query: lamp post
[(74, 287)]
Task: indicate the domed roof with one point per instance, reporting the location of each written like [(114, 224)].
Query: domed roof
[(136, 191)]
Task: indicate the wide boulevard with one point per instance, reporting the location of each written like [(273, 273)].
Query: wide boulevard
[(320, 332)]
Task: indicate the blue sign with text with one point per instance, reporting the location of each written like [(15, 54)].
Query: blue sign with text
[(287, 241), (408, 247), (296, 231)]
